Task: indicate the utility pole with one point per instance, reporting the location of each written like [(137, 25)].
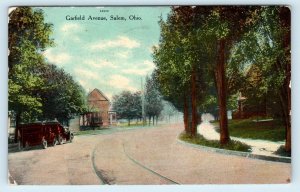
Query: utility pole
[(143, 101)]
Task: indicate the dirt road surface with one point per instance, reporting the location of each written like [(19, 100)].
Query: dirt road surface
[(140, 156)]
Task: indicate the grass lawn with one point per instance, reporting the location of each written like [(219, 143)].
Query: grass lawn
[(247, 128), (200, 140)]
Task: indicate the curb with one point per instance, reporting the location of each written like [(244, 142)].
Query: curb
[(237, 153)]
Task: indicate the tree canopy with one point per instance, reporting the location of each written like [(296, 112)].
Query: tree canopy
[(128, 105), (208, 55), (37, 89)]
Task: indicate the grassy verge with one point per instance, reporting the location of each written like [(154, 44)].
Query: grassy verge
[(247, 128), (88, 132), (112, 129), (200, 140)]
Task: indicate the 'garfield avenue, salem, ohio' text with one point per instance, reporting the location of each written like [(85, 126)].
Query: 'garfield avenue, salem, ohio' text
[(102, 18)]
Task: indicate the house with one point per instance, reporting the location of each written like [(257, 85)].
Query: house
[(99, 113), (248, 109)]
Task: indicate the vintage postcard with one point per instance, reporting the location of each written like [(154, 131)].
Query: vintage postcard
[(149, 95)]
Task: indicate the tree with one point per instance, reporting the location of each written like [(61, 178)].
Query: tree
[(28, 37), (198, 45), (62, 97), (224, 26), (37, 90), (179, 64), (128, 105), (153, 100), (266, 48)]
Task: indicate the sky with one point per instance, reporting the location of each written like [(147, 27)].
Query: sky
[(111, 55)]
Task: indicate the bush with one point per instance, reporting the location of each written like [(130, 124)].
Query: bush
[(200, 140)]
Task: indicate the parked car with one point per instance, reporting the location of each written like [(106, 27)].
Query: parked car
[(43, 133)]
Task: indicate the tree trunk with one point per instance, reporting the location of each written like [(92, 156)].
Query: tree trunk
[(149, 120), (18, 121), (287, 122), (156, 119), (153, 120), (194, 104), (186, 115), (288, 145), (221, 89), (288, 90), (129, 122), (285, 21)]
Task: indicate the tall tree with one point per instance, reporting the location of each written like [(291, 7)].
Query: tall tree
[(285, 65), (180, 66), (28, 36), (167, 56), (153, 99), (226, 24)]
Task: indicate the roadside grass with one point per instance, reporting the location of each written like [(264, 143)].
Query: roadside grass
[(272, 130), (125, 124), (200, 140), (88, 132), (120, 127)]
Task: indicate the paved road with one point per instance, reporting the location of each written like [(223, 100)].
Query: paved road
[(142, 156)]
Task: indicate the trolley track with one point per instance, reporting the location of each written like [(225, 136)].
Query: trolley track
[(106, 181), (97, 172), (147, 168)]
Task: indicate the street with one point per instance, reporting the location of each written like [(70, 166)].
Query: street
[(139, 156)]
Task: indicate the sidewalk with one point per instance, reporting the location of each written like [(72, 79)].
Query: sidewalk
[(259, 147)]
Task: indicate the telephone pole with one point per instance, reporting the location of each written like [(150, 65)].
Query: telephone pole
[(143, 101)]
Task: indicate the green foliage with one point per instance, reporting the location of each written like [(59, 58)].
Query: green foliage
[(257, 64), (26, 26), (63, 97), (180, 52), (35, 88), (200, 140), (28, 36), (128, 105), (251, 42), (153, 98)]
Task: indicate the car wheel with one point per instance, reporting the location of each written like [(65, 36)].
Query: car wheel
[(60, 140), (44, 144), (26, 145), (71, 137), (20, 145), (54, 142)]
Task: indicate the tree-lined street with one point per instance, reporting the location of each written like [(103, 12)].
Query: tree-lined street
[(229, 63)]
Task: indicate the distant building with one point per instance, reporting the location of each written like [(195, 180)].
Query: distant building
[(99, 113), (247, 110)]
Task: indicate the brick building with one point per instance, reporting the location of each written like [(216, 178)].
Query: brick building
[(99, 110)]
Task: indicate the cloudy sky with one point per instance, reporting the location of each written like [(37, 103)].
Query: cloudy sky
[(111, 55)]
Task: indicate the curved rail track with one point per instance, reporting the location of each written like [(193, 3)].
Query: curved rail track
[(139, 164)]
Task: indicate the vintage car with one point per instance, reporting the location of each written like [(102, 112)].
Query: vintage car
[(43, 133)]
